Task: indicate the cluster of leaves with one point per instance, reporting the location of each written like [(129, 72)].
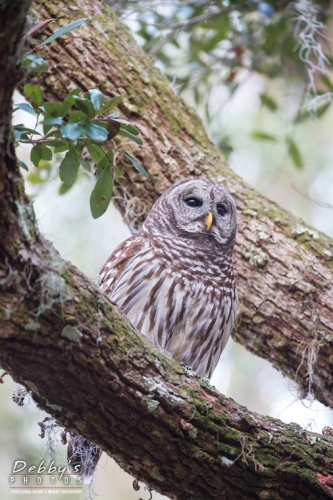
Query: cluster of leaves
[(201, 45), (80, 128)]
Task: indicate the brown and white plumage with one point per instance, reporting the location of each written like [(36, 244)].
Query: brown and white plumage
[(174, 279)]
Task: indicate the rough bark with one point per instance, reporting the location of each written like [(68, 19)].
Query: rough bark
[(84, 364), (284, 267)]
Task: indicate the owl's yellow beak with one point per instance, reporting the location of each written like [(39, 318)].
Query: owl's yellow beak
[(209, 220)]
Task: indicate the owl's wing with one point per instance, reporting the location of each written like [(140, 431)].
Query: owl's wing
[(134, 279), (201, 339), (120, 263)]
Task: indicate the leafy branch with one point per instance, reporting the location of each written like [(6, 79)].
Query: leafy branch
[(80, 127)]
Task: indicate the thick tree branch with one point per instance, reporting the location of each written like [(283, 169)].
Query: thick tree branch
[(284, 267), (159, 421), (84, 364)]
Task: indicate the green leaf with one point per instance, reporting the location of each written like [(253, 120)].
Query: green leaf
[(132, 130), (54, 134), (35, 63), (134, 138), (85, 164), (84, 105), (111, 103), (23, 165), (72, 131), (68, 102), (69, 167), (22, 132), (33, 94), (25, 106), (268, 102), (65, 106), (101, 123), (36, 154), (262, 136), (102, 193), (65, 29), (95, 132), (112, 126), (74, 92), (64, 188), (52, 121), (61, 146), (295, 154), (26, 130), (40, 152), (53, 109), (137, 165), (77, 116), (46, 153), (96, 152), (96, 98), (107, 160)]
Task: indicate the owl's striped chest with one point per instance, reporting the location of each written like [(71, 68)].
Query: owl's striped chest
[(186, 260), (187, 306), (159, 297)]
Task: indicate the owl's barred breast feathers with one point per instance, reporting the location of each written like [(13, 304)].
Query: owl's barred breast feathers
[(174, 279)]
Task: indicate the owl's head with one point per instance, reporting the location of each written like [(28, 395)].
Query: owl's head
[(198, 209)]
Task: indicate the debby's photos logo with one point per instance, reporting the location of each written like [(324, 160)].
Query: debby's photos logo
[(43, 478)]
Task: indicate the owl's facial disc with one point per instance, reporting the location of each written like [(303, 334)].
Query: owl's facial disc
[(203, 210)]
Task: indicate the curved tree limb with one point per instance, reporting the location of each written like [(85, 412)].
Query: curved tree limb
[(284, 267), (85, 365)]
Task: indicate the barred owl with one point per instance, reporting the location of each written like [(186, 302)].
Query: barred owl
[(175, 283), (174, 279)]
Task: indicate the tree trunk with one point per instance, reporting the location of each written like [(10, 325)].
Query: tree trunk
[(86, 366)]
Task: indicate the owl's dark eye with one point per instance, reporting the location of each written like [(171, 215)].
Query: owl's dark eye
[(221, 209), (193, 202)]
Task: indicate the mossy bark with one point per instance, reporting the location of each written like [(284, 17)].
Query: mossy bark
[(159, 421), (85, 365)]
